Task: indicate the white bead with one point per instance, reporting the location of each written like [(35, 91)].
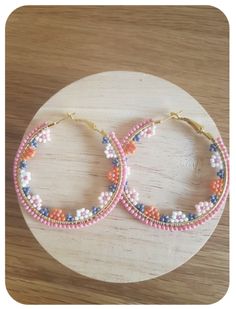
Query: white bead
[(174, 214)]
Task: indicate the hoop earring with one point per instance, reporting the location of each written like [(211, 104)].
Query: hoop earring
[(178, 220), (58, 217)]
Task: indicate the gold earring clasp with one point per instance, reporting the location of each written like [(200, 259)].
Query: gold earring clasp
[(195, 125), (68, 115), (89, 123), (170, 116)]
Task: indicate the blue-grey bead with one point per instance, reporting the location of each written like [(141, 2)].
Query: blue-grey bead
[(213, 147), (26, 190), (23, 164), (105, 140)]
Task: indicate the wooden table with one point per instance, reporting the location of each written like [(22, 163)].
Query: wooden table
[(50, 47)]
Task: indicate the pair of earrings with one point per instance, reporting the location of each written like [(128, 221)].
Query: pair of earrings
[(119, 189)]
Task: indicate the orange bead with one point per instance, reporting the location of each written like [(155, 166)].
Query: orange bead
[(217, 186), (57, 214), (113, 175), (130, 148), (28, 153), (152, 212)]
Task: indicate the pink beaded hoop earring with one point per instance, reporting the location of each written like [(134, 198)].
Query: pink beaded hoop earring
[(58, 217), (178, 220)]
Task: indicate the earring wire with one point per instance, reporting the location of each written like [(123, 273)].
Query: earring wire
[(195, 125), (89, 123)]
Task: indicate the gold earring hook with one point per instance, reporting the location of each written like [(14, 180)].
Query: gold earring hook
[(172, 115), (196, 126), (68, 115), (89, 123)]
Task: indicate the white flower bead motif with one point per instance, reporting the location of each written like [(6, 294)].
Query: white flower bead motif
[(83, 213), (203, 207), (25, 178), (178, 217), (36, 201), (216, 160), (104, 198), (132, 195), (43, 136), (110, 152), (149, 132)]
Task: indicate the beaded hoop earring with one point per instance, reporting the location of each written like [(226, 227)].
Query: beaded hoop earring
[(179, 220), (58, 217)]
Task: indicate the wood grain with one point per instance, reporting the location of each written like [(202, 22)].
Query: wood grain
[(49, 47)]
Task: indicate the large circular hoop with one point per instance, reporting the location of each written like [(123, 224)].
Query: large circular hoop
[(178, 220), (57, 217)]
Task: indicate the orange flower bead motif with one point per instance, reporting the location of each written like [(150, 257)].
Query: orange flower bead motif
[(57, 214), (152, 212), (130, 148), (113, 175), (28, 153), (217, 186)]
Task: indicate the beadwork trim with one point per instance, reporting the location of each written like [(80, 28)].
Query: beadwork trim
[(178, 221), (33, 204)]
